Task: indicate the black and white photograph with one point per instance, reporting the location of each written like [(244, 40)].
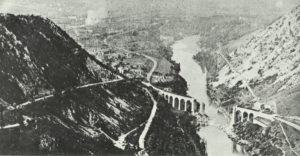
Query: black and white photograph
[(150, 77)]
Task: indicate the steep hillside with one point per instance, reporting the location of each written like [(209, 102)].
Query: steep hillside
[(76, 114), (268, 60), (83, 121), (37, 58), (61, 104)]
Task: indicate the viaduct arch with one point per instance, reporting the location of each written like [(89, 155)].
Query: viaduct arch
[(183, 103), (180, 102), (240, 114)]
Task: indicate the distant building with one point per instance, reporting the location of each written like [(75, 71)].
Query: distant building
[(122, 69), (115, 64), (129, 75), (138, 73)]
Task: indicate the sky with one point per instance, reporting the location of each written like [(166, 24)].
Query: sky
[(95, 10), (210, 7)]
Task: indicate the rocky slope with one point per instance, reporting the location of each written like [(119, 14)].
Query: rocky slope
[(84, 121), (174, 133), (37, 58), (268, 60), (75, 113)]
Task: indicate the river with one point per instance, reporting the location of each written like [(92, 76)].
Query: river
[(218, 144)]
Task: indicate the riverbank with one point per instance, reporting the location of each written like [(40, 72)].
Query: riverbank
[(248, 136), (273, 142), (183, 52)]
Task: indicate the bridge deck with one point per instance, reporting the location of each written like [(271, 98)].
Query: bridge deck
[(182, 96), (256, 113), (272, 117)]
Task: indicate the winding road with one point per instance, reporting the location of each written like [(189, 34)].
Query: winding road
[(152, 69), (22, 105), (297, 127), (10, 126), (150, 73), (120, 143), (148, 123), (154, 108), (62, 92), (287, 140)]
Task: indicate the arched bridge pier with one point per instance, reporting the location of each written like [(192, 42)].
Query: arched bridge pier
[(240, 114), (180, 102), (183, 103)]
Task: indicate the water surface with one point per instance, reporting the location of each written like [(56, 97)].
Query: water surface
[(218, 144)]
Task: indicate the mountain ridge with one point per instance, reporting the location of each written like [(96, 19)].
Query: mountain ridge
[(35, 53), (38, 59), (268, 59), (68, 102)]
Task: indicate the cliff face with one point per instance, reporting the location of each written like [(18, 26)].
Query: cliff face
[(37, 57), (268, 60)]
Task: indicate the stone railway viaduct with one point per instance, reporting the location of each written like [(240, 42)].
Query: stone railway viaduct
[(240, 114), (180, 102), (184, 103)]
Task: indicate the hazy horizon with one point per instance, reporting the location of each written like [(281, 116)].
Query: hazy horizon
[(98, 9)]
